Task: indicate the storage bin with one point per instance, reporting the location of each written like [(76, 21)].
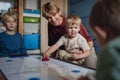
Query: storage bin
[(32, 11), (31, 19), (31, 15), (31, 27), (31, 41)]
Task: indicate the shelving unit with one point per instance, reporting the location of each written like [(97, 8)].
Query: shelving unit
[(21, 29), (20, 23), (43, 22)]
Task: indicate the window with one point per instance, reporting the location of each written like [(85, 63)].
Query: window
[(4, 6)]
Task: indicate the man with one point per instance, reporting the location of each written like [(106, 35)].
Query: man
[(56, 28)]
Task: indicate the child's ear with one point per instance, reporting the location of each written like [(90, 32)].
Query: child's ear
[(102, 33)]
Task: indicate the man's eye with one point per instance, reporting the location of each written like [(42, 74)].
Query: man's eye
[(7, 21), (70, 27), (76, 27), (48, 18)]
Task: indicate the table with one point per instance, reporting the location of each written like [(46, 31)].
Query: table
[(32, 68)]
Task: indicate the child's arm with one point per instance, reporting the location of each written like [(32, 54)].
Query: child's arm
[(50, 50), (86, 49), (84, 54), (23, 50)]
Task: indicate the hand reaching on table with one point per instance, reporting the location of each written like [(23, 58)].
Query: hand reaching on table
[(45, 55), (50, 50)]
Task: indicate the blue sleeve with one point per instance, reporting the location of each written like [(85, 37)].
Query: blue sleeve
[(23, 49)]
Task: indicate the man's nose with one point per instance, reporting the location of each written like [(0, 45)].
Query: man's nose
[(52, 18)]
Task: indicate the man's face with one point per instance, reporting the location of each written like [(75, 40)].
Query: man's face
[(55, 20)]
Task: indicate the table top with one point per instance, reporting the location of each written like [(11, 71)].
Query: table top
[(32, 68)]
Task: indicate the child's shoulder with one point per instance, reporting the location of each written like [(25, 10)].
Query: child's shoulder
[(79, 35), (18, 34), (65, 36), (2, 33)]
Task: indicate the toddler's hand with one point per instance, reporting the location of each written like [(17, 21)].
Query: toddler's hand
[(45, 57), (75, 56)]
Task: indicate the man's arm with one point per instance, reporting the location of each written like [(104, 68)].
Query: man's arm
[(85, 34)]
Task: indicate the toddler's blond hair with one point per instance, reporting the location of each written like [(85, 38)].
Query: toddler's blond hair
[(73, 20)]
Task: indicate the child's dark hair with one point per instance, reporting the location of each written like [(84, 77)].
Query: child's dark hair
[(106, 15)]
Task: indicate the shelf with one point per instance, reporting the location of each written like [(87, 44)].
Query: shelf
[(36, 51)]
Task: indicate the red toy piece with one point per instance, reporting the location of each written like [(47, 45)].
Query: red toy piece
[(45, 59)]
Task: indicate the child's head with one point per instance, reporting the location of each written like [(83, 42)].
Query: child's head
[(73, 25), (104, 20), (52, 13), (10, 21)]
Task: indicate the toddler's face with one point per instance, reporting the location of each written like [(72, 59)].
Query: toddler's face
[(10, 24), (73, 30)]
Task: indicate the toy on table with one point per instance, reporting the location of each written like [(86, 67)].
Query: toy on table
[(45, 59)]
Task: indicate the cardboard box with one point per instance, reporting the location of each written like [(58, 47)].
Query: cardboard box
[(32, 11)]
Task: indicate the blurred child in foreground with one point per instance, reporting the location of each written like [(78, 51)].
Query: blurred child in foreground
[(104, 20)]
